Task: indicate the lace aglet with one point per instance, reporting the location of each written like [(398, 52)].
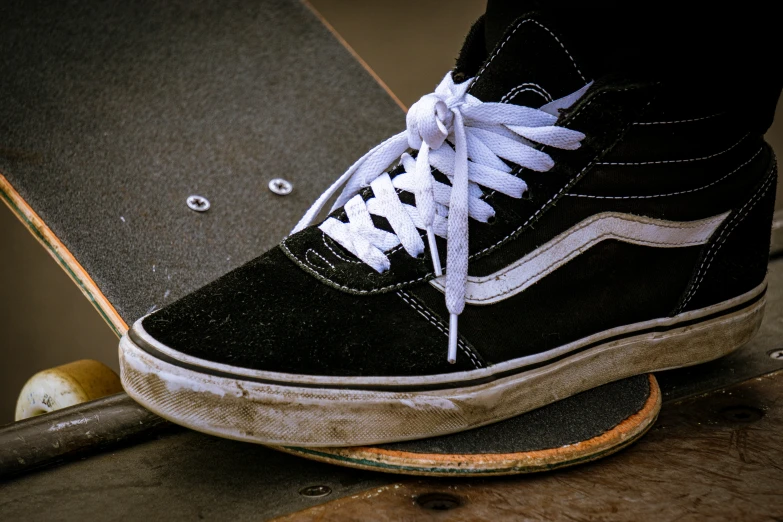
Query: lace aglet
[(453, 336), (434, 252)]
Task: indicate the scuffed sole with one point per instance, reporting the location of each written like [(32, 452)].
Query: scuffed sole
[(493, 464), (291, 415)]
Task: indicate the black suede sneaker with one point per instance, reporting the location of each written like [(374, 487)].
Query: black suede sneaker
[(597, 228)]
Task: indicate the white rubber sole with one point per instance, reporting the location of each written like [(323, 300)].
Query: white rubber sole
[(299, 412)]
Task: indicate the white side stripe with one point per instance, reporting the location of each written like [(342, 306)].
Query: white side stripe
[(549, 257)]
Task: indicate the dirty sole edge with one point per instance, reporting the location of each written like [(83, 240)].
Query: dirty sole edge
[(289, 415), (613, 440)]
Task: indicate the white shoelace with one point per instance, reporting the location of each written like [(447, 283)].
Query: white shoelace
[(481, 133)]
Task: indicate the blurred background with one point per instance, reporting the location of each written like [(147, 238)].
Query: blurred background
[(45, 321)]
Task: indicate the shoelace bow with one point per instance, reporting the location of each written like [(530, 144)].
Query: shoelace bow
[(481, 133)]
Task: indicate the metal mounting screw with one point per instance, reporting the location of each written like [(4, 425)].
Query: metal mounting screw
[(776, 354), (198, 203), (315, 491), (280, 186)]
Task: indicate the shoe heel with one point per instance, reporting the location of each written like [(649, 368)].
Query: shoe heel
[(735, 260)]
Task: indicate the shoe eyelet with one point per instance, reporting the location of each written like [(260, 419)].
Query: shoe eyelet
[(527, 195), (458, 77), (492, 220)]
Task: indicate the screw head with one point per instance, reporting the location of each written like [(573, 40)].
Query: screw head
[(315, 491), (280, 186), (776, 354), (198, 203)]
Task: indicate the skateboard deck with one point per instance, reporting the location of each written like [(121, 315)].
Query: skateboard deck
[(572, 431), (113, 116)]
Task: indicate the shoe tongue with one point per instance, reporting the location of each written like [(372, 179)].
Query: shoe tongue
[(530, 64)]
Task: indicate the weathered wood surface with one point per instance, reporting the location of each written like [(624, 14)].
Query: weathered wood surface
[(714, 457)]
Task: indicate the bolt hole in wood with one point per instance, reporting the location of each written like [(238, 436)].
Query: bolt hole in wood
[(742, 414), (438, 501)]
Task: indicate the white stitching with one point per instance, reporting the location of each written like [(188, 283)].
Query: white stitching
[(571, 182), (338, 256), (434, 321), (426, 276), (314, 271), (399, 247), (586, 223), (670, 193), (437, 324), (724, 235), (533, 87), (498, 49), (311, 251), (568, 185), (675, 161), (595, 97), (679, 121), (523, 225)]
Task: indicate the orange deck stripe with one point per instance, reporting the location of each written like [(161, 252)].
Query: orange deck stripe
[(355, 55), (62, 255)]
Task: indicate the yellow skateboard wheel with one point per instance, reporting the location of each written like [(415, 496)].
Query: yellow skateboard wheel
[(66, 385)]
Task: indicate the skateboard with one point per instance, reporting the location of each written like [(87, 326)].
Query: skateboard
[(578, 429), (174, 158)]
